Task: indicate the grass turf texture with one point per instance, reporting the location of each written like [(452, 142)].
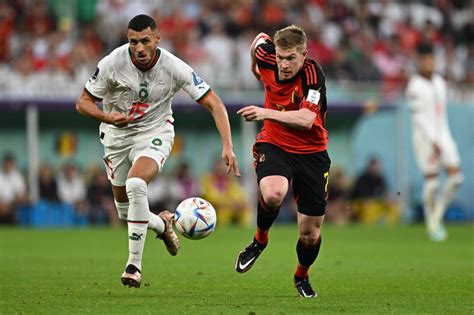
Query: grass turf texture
[(359, 270)]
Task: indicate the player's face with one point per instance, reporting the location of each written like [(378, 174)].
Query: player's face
[(143, 45), (289, 62), (427, 64)]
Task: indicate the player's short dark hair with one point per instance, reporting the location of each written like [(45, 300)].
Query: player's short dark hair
[(425, 49), (141, 22), (291, 37)]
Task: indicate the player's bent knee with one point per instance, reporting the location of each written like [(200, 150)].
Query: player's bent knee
[(310, 238), (456, 178), (136, 187), (273, 198)]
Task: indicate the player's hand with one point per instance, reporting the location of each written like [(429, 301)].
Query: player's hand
[(252, 113), (230, 160), (118, 119)]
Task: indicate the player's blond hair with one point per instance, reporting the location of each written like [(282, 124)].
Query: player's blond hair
[(291, 37)]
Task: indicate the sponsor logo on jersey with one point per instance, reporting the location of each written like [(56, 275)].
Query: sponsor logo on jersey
[(196, 79)]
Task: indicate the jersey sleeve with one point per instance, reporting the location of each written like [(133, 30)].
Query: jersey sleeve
[(98, 84), (314, 87), (192, 83), (265, 54)]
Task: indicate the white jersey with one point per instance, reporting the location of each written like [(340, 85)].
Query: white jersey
[(146, 95), (427, 101)]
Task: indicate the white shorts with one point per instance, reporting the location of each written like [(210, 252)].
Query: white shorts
[(424, 154), (118, 161)]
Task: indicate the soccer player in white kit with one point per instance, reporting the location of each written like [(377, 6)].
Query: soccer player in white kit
[(136, 83), (433, 144)]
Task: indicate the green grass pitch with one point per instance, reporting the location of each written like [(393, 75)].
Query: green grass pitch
[(359, 270)]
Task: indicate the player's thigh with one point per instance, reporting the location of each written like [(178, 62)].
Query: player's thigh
[(117, 164), (149, 156), (450, 156), (309, 228), (310, 182), (145, 168), (425, 155), (273, 170)]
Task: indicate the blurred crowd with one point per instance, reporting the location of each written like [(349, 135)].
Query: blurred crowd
[(85, 196), (49, 48)]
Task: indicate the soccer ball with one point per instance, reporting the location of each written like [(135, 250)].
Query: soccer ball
[(195, 218)]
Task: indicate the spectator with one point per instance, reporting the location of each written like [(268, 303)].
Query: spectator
[(226, 195), (13, 189), (210, 34), (184, 185), (370, 198), (338, 208), (101, 200), (72, 189), (48, 187), (159, 198)]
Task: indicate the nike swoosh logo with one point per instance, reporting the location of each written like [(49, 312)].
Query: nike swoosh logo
[(242, 267)]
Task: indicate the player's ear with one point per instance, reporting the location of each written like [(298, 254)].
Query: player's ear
[(158, 37), (305, 53)]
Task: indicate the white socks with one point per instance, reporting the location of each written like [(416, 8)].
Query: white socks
[(122, 209), (435, 207), (430, 187), (138, 216), (154, 222), (139, 219), (446, 196)]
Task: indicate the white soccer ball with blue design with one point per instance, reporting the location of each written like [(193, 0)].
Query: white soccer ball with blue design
[(195, 218)]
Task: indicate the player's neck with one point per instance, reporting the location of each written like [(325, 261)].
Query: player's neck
[(426, 74), (151, 64)]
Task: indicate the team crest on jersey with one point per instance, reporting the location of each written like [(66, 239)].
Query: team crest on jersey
[(143, 92), (196, 79), (157, 142)]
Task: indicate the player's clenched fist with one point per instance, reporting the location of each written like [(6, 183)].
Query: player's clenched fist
[(118, 119)]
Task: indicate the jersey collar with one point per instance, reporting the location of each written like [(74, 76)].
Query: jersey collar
[(152, 64)]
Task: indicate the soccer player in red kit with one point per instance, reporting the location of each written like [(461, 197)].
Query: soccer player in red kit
[(291, 147)]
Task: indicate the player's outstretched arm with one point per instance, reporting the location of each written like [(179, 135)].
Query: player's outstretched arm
[(302, 119), (218, 111), (86, 105)]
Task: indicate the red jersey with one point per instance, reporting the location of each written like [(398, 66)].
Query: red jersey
[(306, 89)]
